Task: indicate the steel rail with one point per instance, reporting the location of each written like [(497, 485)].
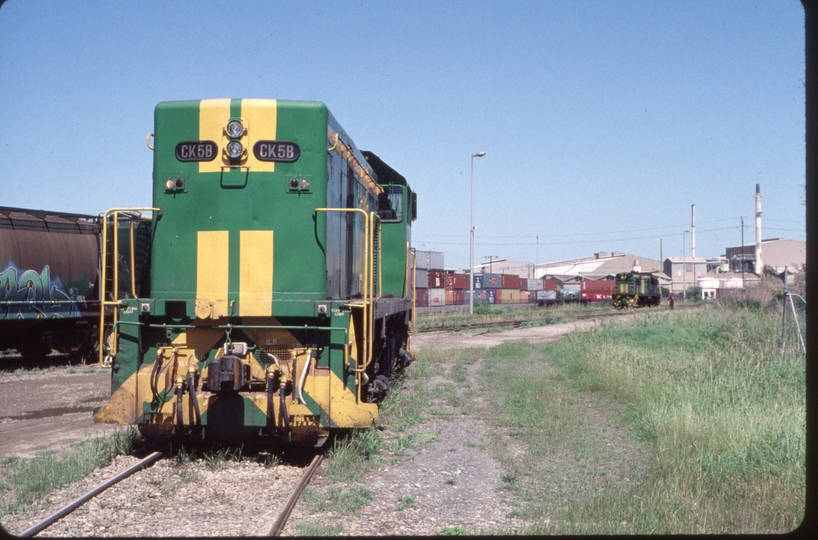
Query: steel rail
[(31, 531), (278, 526), (517, 323)]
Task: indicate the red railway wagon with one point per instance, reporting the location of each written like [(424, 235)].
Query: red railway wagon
[(593, 291)]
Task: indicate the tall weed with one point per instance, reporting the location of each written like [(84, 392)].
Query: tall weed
[(722, 405)]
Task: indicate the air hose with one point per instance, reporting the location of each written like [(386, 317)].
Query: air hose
[(304, 376), (191, 385), (284, 413), (180, 391)]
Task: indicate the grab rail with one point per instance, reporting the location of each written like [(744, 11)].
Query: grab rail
[(115, 269)]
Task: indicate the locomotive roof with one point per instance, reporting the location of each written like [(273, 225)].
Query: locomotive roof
[(385, 173)]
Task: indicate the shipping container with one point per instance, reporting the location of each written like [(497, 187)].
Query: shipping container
[(436, 279), (430, 260), (525, 297), (422, 297), (546, 297), (479, 297), (437, 297), (550, 284), (454, 297), (491, 296), (509, 296), (510, 281), (492, 281), (527, 284), (478, 281), (423, 278), (457, 281), (599, 285)]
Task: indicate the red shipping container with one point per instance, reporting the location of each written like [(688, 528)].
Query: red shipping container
[(422, 297), (436, 279), (601, 285), (524, 297), (510, 281), (550, 285), (457, 281), (454, 297)]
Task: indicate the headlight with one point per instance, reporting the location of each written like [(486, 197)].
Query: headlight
[(235, 129), (234, 149)]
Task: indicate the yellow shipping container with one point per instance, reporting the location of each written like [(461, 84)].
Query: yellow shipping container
[(510, 296)]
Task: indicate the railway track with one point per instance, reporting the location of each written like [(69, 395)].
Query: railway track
[(517, 323), (277, 526)]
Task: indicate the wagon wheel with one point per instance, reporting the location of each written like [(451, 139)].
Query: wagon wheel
[(33, 347)]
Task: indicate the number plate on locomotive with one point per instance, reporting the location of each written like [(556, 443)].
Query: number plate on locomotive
[(196, 151), (283, 151)]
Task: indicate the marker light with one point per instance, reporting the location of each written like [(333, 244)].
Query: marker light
[(235, 129), (304, 184), (234, 149)]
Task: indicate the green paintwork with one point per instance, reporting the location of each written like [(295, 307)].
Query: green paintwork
[(237, 200), (212, 202)]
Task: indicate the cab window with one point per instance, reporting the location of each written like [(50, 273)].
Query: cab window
[(390, 203)]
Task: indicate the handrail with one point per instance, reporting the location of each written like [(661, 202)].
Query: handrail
[(368, 330), (414, 283), (115, 267)]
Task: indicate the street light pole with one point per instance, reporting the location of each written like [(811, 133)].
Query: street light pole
[(684, 268), (471, 237)]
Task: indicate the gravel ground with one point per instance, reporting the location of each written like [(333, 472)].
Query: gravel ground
[(450, 481), (170, 499)]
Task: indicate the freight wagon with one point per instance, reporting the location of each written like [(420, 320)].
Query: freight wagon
[(48, 282)]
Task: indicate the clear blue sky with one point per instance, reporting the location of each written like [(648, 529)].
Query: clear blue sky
[(603, 122)]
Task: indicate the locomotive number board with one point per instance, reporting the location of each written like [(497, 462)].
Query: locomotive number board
[(281, 151), (196, 151)]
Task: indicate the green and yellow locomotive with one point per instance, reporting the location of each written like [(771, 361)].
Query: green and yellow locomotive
[(280, 289), (635, 289)]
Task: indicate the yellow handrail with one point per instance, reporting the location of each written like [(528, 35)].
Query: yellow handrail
[(104, 277), (369, 285)]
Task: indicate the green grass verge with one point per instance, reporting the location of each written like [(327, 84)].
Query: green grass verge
[(25, 481), (720, 406)]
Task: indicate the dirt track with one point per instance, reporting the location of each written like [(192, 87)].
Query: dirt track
[(51, 409)]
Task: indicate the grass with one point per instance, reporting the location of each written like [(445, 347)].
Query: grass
[(719, 408), (406, 502), (499, 315), (338, 501), (28, 480), (353, 455), (319, 529)]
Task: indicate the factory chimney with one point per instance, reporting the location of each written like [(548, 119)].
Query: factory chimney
[(759, 266), (693, 230)]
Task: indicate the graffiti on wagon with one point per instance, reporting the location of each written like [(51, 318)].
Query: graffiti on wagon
[(26, 293)]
